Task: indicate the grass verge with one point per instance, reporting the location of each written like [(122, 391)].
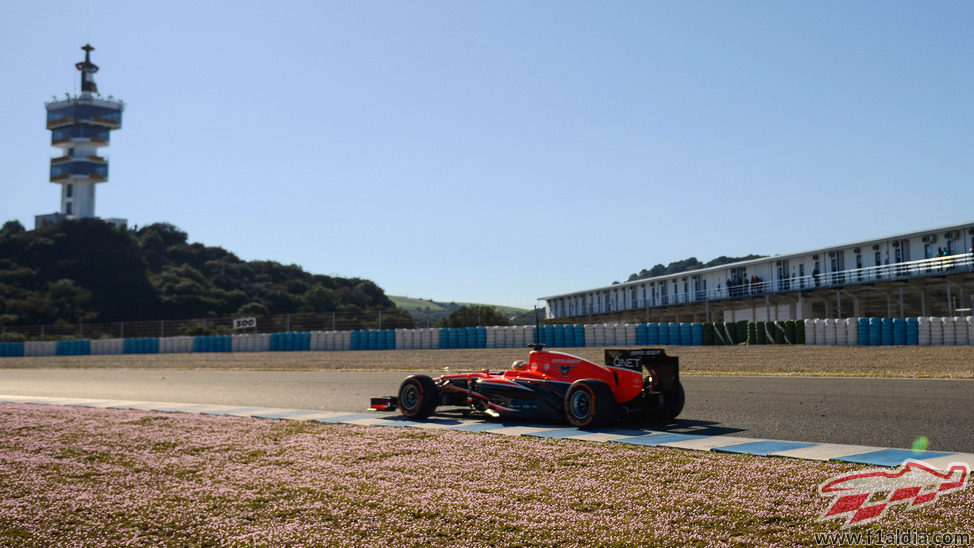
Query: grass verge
[(94, 477)]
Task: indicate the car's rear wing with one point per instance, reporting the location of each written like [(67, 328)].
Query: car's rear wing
[(664, 369)]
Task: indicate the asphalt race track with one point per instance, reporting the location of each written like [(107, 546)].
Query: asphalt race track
[(878, 412)]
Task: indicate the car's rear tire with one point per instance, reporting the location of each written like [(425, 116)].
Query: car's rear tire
[(673, 400), (590, 403), (418, 397)]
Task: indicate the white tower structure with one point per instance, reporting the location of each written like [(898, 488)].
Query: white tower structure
[(80, 125)]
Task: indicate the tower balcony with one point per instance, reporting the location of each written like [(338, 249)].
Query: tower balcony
[(90, 158), (60, 122), (68, 142), (75, 135), (73, 178), (99, 121), (106, 122), (90, 169)]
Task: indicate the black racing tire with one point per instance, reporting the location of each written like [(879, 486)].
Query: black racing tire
[(673, 400), (590, 403), (418, 397)]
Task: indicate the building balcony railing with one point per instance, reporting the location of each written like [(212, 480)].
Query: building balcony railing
[(94, 120), (619, 302), (60, 122), (79, 177), (101, 141), (115, 124), (67, 158)]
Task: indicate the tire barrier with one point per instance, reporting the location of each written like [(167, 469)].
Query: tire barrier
[(251, 342), (11, 349), (899, 331), (175, 345), (108, 346), (373, 339), (81, 347), (213, 343), (141, 345), (922, 331), (863, 334), (912, 331), (40, 348), (936, 331), (291, 341)]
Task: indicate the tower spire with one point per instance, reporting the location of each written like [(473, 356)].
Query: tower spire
[(88, 70)]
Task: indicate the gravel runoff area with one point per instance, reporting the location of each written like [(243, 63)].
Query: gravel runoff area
[(951, 362), (95, 477)]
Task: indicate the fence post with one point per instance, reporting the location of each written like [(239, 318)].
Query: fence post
[(380, 319), (333, 321), (42, 332), (81, 332), (288, 322), (204, 326)]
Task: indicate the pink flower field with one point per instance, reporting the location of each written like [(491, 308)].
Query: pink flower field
[(93, 477)]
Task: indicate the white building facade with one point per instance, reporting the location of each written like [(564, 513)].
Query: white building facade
[(914, 274)]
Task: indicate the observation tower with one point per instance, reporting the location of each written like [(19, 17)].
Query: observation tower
[(80, 125)]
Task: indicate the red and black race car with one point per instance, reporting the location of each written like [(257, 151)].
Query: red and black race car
[(635, 383)]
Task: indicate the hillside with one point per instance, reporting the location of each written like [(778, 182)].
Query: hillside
[(428, 312), (89, 271), (686, 265)]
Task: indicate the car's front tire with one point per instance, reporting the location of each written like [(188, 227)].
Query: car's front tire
[(590, 403), (418, 397)]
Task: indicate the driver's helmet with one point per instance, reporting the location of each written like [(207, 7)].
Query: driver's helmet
[(519, 365)]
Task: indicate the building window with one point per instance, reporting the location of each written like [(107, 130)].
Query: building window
[(67, 208), (70, 191)]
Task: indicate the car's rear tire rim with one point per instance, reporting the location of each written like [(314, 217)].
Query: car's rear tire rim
[(580, 404), (409, 397)]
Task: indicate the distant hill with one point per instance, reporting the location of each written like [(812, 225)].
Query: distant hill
[(687, 265), (426, 312), (90, 271)]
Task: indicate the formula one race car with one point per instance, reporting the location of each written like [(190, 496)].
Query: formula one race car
[(553, 386)]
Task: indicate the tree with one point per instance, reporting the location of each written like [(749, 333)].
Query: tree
[(252, 309), (89, 270), (473, 315), (12, 227), (687, 265), (321, 299)]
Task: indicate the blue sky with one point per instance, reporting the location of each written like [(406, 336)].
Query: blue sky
[(504, 151)]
